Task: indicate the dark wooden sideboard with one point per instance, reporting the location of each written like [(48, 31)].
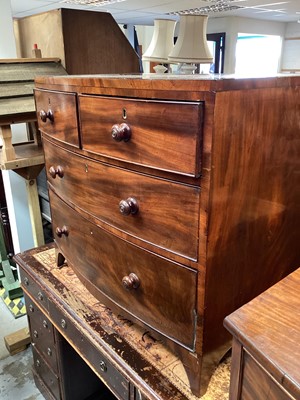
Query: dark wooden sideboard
[(175, 200), (266, 344), (82, 350)]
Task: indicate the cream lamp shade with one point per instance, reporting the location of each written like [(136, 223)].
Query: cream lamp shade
[(191, 45), (162, 41)]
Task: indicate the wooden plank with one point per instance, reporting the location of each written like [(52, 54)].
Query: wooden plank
[(35, 212), (28, 60), (8, 90), (26, 155), (9, 108), (17, 341), (8, 152), (28, 71)]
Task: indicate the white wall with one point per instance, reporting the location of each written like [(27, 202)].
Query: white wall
[(291, 48), (234, 25), (14, 185)]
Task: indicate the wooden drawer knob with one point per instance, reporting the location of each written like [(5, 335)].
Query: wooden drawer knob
[(59, 171), (62, 231), (129, 206), (46, 115), (121, 132), (131, 281)]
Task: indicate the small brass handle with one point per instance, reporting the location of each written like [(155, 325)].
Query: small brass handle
[(59, 171), (35, 334), (40, 296), (26, 281), (63, 323), (103, 366), (62, 231), (49, 351), (31, 308), (131, 281), (121, 132), (45, 324), (128, 206), (46, 115)]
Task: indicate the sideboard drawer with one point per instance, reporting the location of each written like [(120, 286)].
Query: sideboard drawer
[(117, 383), (30, 286), (57, 115), (166, 210), (45, 373), (42, 334), (154, 290), (164, 135)]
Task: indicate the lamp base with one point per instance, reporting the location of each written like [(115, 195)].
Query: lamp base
[(160, 69)]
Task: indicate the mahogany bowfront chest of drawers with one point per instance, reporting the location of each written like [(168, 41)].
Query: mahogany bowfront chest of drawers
[(173, 199)]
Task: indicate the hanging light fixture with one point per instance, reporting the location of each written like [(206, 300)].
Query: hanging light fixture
[(162, 42), (191, 46)]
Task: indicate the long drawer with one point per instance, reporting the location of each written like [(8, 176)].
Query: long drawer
[(166, 214), (164, 135), (154, 290), (57, 115)]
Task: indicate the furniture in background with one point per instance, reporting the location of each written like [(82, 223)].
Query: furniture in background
[(172, 198), (17, 106), (265, 351), (87, 42), (71, 330)]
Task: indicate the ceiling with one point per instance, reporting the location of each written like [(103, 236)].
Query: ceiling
[(143, 12)]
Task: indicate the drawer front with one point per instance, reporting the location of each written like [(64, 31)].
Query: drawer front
[(41, 331), (46, 374), (57, 115), (34, 290), (104, 369), (258, 384), (156, 291), (167, 214), (158, 134)]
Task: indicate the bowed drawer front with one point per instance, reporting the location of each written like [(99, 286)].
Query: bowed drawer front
[(155, 210), (58, 116), (164, 135), (136, 280)]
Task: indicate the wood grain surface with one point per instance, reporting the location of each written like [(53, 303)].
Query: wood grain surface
[(147, 362), (166, 214), (268, 329)]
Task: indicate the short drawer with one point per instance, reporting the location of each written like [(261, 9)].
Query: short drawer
[(159, 293), (30, 286), (166, 213), (258, 384), (165, 135), (57, 115), (117, 383), (45, 373), (42, 332)]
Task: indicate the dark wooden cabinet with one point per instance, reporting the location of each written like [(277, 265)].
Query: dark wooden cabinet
[(59, 372), (175, 200), (266, 353), (86, 42)]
